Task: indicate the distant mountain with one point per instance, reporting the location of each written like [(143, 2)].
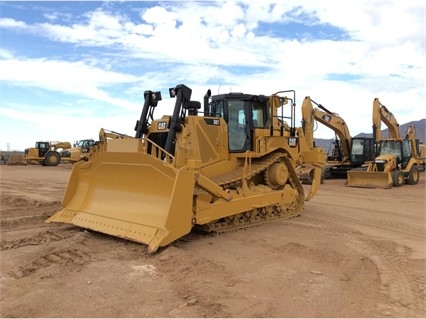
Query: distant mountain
[(326, 144), (420, 126)]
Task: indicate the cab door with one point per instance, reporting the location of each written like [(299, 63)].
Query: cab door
[(239, 132)]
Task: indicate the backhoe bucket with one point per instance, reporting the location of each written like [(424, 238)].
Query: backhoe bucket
[(369, 179), (130, 195)]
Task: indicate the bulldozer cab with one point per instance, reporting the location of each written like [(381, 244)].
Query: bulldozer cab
[(244, 113), (235, 110)]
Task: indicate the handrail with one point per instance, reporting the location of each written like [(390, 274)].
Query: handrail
[(156, 151)]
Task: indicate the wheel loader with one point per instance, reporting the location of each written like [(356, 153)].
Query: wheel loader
[(45, 153), (398, 161), (227, 166)]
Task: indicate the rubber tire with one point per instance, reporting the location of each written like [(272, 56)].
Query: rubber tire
[(397, 178), (413, 175), (52, 158)]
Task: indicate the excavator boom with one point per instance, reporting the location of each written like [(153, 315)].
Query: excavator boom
[(382, 114)]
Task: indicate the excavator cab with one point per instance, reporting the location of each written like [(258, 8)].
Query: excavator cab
[(362, 151)]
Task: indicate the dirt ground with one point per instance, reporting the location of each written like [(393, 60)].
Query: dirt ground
[(354, 252)]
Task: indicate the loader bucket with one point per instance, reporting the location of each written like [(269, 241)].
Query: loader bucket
[(130, 195), (369, 179)]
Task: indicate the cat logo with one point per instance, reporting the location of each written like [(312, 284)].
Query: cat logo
[(161, 126), (326, 118)]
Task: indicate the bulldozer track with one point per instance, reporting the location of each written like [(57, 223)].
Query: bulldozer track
[(250, 219), (256, 216)]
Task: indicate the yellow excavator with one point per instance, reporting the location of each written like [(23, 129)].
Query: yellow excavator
[(227, 167), (397, 160), (348, 153)]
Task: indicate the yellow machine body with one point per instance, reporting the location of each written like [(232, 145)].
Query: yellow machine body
[(182, 173), (45, 153), (397, 163), (348, 152), (79, 152), (374, 176)]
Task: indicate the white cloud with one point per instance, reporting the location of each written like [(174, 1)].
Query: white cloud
[(11, 23), (234, 45), (66, 77)]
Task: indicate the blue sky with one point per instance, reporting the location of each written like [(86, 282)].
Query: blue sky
[(69, 68)]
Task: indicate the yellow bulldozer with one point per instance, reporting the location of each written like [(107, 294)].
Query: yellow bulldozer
[(45, 153), (397, 161), (227, 167)]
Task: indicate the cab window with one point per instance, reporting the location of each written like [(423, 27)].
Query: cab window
[(259, 115), (236, 125)]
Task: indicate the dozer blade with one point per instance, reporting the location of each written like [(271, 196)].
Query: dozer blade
[(130, 195), (369, 179)]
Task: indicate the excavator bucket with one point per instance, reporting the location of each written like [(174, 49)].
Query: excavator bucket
[(371, 179), (127, 193)]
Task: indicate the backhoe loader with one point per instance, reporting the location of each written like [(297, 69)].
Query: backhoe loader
[(398, 161), (45, 153), (349, 152), (228, 166)]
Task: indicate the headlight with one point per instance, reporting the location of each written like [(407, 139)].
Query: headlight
[(172, 92)]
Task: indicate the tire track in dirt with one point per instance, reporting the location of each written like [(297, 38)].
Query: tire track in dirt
[(64, 257), (40, 238), (405, 291), (406, 230), (65, 250)]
